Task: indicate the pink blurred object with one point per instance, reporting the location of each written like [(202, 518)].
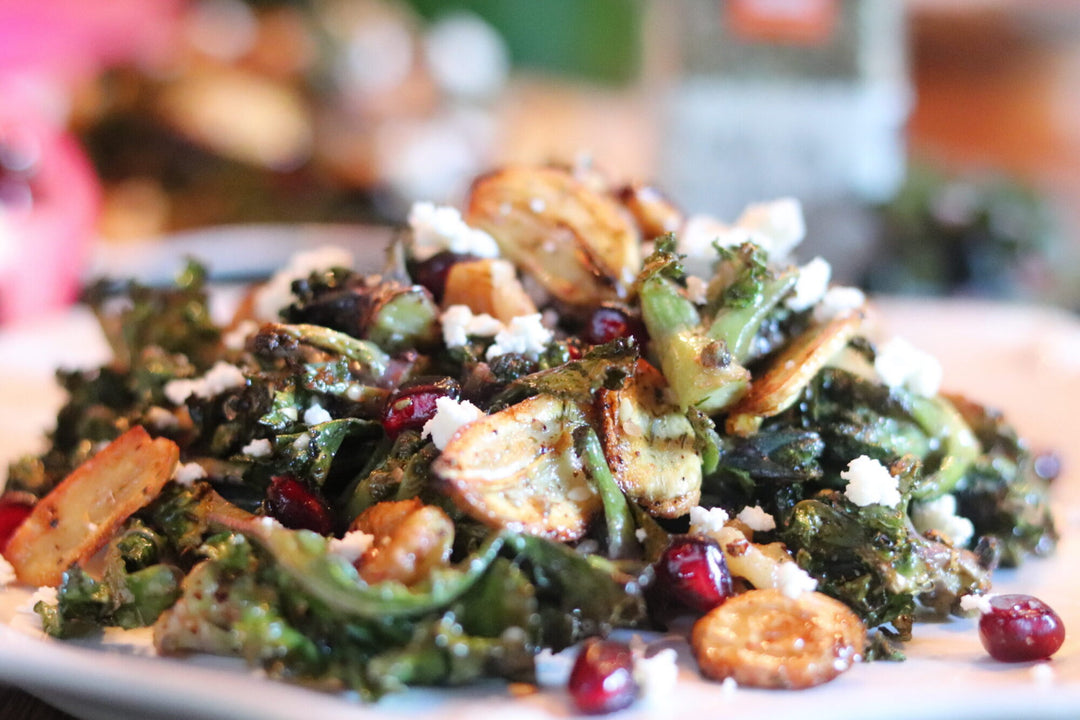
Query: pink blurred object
[(49, 194)]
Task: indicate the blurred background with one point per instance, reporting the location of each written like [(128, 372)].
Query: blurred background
[(935, 145)]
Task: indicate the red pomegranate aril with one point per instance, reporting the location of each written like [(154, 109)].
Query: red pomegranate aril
[(14, 508), (412, 405), (602, 679), (607, 324), (432, 273), (1017, 628), (298, 507), (691, 575)]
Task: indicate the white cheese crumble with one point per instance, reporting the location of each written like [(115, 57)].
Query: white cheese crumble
[(940, 515), (276, 294), (776, 227), (351, 546), (870, 482), (7, 573), (525, 334), (302, 442), (236, 338), (641, 535), (440, 227), (316, 414), (705, 521), (697, 290), (257, 448), (159, 418), (780, 222), (729, 686), (657, 675), (793, 581), (976, 602), (900, 364), (811, 286), (459, 324), (221, 377), (187, 473), (450, 416), (756, 519), (45, 594), (838, 300)]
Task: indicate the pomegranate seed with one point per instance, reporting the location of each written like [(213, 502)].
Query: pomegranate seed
[(413, 404), (14, 508), (602, 679), (1020, 627), (608, 323), (298, 507), (431, 273), (691, 576)]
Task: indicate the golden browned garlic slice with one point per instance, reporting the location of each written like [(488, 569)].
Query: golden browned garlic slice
[(488, 286), (517, 469), (793, 368), (765, 639), (410, 539), (578, 243), (80, 514), (650, 444)]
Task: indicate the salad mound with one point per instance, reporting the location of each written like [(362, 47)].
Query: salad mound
[(568, 410)]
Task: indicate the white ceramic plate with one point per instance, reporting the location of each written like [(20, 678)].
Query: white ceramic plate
[(1026, 361)]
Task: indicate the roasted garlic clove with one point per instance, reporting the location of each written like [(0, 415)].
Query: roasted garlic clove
[(578, 243), (410, 539), (517, 469), (650, 444), (766, 639)]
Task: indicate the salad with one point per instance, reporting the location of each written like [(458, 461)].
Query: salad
[(566, 411)]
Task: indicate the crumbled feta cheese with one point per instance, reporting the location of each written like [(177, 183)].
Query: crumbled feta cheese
[(756, 519), (729, 686), (159, 418), (316, 414), (45, 594), (837, 301), (459, 324), (553, 669), (701, 232), (793, 581), (697, 290), (940, 515), (440, 227), (7, 573), (221, 377), (276, 294), (705, 521), (657, 675), (811, 286), (976, 602), (257, 448), (525, 334), (450, 416), (901, 364), (870, 482), (188, 473), (351, 546), (779, 221), (641, 535), (236, 338), (302, 442)]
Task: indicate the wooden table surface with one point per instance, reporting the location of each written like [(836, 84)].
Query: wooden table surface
[(18, 705)]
